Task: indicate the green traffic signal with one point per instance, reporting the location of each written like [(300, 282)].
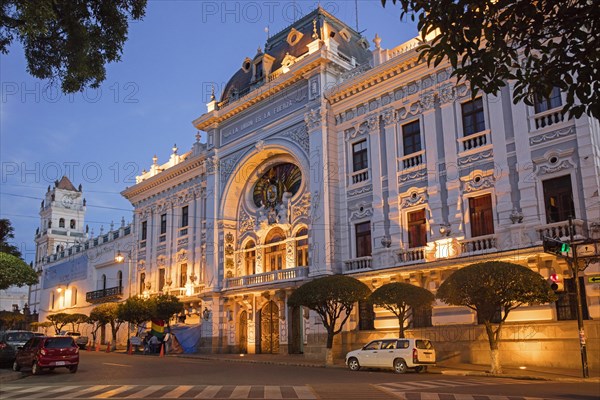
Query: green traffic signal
[(565, 248)]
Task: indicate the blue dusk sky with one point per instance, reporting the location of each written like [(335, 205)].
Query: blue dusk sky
[(102, 138)]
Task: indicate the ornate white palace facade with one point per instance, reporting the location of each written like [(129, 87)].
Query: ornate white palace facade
[(325, 157)]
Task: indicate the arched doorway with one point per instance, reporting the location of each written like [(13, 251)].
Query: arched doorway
[(243, 332), (275, 250), (269, 328)]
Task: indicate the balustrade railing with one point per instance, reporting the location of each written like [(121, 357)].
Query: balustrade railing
[(360, 176), (412, 255), (475, 140), (560, 230), (282, 275), (98, 296), (478, 244), (547, 118), (412, 160), (358, 264)]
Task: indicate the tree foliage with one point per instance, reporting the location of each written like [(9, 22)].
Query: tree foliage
[(136, 310), (493, 286), (75, 320), (15, 272), (69, 40), (37, 325), (107, 314), (6, 233), (165, 306), (332, 298), (400, 298), (10, 319), (537, 45), (59, 321)]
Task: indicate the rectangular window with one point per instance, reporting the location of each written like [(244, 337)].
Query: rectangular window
[(417, 229), (184, 216), (161, 278), (482, 216), (360, 158), (558, 199), (163, 224), (363, 239), (144, 230), (472, 116), (542, 103), (142, 282), (421, 317), (182, 275), (411, 137)]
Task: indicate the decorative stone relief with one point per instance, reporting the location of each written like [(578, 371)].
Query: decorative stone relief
[(302, 207), (361, 190), (388, 117), (182, 256), (543, 138), (413, 199), (427, 100), (554, 161), (475, 157), (361, 212), (212, 164), (447, 93), (247, 222), (413, 109), (412, 176), (478, 180), (299, 135), (313, 119)]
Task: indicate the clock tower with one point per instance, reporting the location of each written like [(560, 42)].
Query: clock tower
[(62, 215)]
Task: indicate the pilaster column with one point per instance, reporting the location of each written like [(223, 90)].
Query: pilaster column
[(213, 272), (389, 120)]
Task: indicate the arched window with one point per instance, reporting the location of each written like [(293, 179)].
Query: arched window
[(142, 282), (275, 250), (120, 278), (302, 248), (61, 223), (49, 224), (103, 282), (250, 258), (73, 296), (72, 224)]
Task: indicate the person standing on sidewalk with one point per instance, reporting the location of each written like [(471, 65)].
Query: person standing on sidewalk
[(166, 342)]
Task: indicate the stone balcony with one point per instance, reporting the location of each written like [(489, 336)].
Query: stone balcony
[(283, 275), (104, 295), (560, 230), (358, 264)]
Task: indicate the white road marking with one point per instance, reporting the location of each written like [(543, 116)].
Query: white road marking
[(177, 392), (240, 392), (145, 392), (209, 392)]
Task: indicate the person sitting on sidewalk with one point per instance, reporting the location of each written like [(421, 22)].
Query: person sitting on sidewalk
[(153, 344)]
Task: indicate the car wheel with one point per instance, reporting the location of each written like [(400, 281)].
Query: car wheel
[(16, 366), (400, 366), (35, 368), (353, 364), (73, 369), (421, 368)]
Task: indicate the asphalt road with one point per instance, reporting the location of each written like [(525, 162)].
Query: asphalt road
[(120, 376)]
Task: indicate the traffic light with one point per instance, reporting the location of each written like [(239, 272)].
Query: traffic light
[(556, 283), (556, 247)]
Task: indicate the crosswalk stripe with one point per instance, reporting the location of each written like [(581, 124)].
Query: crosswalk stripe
[(304, 392), (240, 392), (177, 392), (113, 392), (89, 390), (54, 390), (272, 392), (209, 392), (145, 392)]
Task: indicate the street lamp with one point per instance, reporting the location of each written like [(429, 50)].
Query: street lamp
[(119, 259)]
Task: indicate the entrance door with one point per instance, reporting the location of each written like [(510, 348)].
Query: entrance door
[(243, 332), (269, 328)]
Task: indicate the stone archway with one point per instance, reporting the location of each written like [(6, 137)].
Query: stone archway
[(243, 332), (269, 328)]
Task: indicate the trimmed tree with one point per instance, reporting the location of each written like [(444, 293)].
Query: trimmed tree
[(332, 298), (15, 272), (401, 299), (136, 310), (108, 313), (75, 320), (493, 287), (165, 306), (59, 320), (44, 325), (96, 320), (10, 319)]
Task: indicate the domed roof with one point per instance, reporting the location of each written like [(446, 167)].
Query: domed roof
[(293, 41)]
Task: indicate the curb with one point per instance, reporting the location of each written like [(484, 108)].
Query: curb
[(269, 362)]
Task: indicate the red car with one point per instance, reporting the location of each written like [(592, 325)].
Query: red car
[(48, 352)]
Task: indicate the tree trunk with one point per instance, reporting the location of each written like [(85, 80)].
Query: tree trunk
[(113, 343), (329, 351), (401, 327), (494, 339), (495, 359)]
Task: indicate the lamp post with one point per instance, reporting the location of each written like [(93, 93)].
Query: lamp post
[(119, 259)]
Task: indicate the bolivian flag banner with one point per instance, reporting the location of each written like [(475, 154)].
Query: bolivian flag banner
[(158, 328)]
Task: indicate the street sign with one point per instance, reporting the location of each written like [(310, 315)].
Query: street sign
[(594, 279), (587, 250)]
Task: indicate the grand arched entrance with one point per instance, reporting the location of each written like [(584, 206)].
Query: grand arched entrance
[(269, 328), (243, 332)]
